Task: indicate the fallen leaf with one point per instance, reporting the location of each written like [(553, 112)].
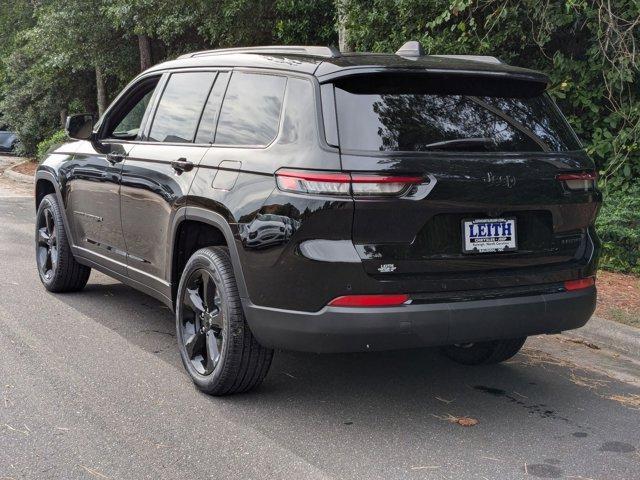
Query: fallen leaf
[(467, 422)]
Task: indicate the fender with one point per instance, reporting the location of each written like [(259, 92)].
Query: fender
[(42, 174), (216, 220)]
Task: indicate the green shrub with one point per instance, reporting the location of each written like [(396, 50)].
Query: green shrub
[(619, 229), (50, 143)]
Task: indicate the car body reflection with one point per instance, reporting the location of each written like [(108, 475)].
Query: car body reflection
[(266, 230)]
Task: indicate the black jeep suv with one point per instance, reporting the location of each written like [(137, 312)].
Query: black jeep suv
[(299, 198)]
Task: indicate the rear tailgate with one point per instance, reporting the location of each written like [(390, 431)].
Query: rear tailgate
[(487, 154)]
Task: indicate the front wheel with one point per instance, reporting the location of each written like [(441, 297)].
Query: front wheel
[(216, 345), (58, 269), (484, 353)]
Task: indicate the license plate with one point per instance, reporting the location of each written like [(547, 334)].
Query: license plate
[(489, 235)]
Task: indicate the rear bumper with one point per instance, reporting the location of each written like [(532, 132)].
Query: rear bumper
[(335, 329)]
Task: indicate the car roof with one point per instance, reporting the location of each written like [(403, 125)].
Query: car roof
[(327, 63)]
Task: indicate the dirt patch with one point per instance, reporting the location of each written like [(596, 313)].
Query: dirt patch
[(26, 168), (619, 297)]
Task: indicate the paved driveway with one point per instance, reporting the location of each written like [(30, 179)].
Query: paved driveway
[(91, 386)]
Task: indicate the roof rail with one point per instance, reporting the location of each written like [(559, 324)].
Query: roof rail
[(475, 58), (329, 52)]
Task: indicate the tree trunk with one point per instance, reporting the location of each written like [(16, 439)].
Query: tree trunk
[(144, 45), (344, 42), (101, 91), (63, 117)]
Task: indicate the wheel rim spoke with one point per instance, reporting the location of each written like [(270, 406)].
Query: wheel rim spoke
[(208, 287), (193, 344), (48, 218), (193, 300), (43, 259), (43, 236), (53, 257), (213, 351)]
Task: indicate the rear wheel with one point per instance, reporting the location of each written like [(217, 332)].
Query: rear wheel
[(58, 269), (216, 345), (484, 353)]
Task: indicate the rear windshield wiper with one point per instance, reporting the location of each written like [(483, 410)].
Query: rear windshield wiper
[(459, 142)]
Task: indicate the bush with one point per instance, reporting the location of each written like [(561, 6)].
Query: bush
[(48, 144), (619, 229)]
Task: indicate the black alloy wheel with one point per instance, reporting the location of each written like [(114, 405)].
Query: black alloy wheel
[(57, 268), (202, 322), (47, 247)]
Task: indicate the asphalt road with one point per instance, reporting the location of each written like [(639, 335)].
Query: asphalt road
[(91, 386)]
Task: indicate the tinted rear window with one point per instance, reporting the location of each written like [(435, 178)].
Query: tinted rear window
[(415, 121), (250, 112)]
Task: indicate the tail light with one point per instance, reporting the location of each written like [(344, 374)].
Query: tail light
[(335, 183), (394, 300), (579, 180), (571, 285)]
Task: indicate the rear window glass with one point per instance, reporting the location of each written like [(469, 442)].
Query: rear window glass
[(416, 121), (250, 112)]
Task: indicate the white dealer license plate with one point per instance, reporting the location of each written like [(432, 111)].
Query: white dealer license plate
[(489, 235)]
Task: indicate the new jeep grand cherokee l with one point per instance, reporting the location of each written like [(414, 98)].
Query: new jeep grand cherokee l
[(299, 198)]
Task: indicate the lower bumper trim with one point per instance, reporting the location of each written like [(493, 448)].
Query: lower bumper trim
[(338, 329)]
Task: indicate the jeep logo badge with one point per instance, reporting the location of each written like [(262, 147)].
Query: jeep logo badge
[(508, 181)]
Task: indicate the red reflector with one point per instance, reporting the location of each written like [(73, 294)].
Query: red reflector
[(369, 300), (565, 177), (571, 285)]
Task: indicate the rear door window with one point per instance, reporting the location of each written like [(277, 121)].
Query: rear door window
[(250, 114), (391, 119), (180, 107)]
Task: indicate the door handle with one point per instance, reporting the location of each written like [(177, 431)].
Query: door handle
[(114, 158), (182, 165)]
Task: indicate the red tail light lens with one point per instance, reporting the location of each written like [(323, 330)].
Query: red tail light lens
[(370, 300), (578, 180), (335, 183), (571, 285)]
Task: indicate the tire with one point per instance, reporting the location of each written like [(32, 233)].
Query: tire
[(58, 269), (216, 345), (484, 353)]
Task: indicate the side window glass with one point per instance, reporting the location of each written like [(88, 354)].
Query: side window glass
[(250, 112), (129, 126), (125, 118), (207, 128), (179, 109)]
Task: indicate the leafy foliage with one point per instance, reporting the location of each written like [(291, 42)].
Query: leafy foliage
[(53, 55), (619, 229), (48, 144)]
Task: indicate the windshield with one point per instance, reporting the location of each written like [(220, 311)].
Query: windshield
[(417, 122)]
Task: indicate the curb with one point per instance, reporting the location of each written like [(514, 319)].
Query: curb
[(612, 335), (17, 176)]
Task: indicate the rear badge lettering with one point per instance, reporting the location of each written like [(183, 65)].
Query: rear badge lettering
[(387, 268)]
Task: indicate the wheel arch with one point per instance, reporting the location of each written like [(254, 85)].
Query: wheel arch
[(47, 183), (196, 215)]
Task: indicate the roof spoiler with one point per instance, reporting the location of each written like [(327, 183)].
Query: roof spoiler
[(328, 52), (413, 49)]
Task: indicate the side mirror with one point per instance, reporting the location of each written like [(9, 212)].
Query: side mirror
[(80, 126)]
